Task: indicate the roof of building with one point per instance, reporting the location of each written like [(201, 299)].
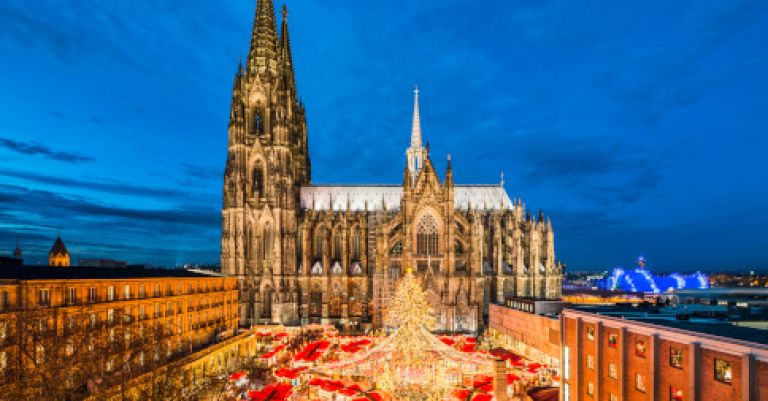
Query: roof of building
[(715, 328), (75, 273), (383, 196), (58, 248), (667, 317)]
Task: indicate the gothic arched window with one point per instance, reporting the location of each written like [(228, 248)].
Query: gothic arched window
[(426, 236), (316, 301), (337, 245), (258, 180), (267, 242), (397, 249), (356, 246), (319, 238), (266, 304), (258, 123)]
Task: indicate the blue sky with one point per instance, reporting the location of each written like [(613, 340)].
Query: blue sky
[(640, 127)]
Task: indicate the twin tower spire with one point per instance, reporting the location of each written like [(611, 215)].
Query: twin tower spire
[(268, 51)]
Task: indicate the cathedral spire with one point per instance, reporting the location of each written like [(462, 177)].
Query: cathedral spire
[(416, 128), (416, 153), (285, 51), (263, 37)]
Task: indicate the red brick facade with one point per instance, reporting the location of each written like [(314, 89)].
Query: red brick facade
[(612, 359)]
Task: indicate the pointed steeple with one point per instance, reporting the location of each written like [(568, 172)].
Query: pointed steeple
[(17, 252), (416, 128), (449, 172), (416, 153), (262, 54), (285, 51)]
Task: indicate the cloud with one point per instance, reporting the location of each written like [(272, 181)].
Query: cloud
[(113, 187), (38, 149)]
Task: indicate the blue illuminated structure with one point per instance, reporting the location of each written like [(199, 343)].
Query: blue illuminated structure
[(641, 280)]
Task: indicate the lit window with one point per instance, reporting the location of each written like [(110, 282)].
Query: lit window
[(676, 357), (613, 371), (72, 295), (567, 365), (92, 294), (613, 340), (127, 292), (590, 362), (590, 389), (613, 397), (44, 297), (110, 293), (723, 371), (639, 382), (640, 348), (590, 333), (675, 394)]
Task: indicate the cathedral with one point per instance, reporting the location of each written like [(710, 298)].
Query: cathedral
[(313, 253)]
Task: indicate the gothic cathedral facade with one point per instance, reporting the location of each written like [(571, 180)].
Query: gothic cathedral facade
[(307, 253)]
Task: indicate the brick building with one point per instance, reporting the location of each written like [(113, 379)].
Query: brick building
[(521, 329), (636, 356), (41, 309)]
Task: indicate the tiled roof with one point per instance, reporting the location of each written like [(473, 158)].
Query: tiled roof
[(58, 247), (382, 196)]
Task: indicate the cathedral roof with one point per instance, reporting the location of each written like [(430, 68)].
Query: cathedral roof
[(383, 196), (58, 248)]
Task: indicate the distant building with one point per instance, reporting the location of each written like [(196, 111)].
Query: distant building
[(624, 353), (105, 263), (16, 260), (181, 311), (58, 256), (17, 254)]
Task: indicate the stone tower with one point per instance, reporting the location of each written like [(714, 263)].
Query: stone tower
[(58, 255), (267, 163)]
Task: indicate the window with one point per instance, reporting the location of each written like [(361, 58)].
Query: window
[(127, 292), (71, 295), (590, 389), (142, 291), (639, 382), (267, 242), (3, 361), (44, 297), (613, 340), (676, 357), (613, 397), (110, 315), (640, 348), (110, 293), (356, 246), (590, 333), (675, 394), (319, 238), (426, 236), (157, 290), (613, 371), (258, 181), (3, 330), (567, 365), (337, 246), (92, 294), (396, 250), (590, 362), (3, 300), (723, 371)]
